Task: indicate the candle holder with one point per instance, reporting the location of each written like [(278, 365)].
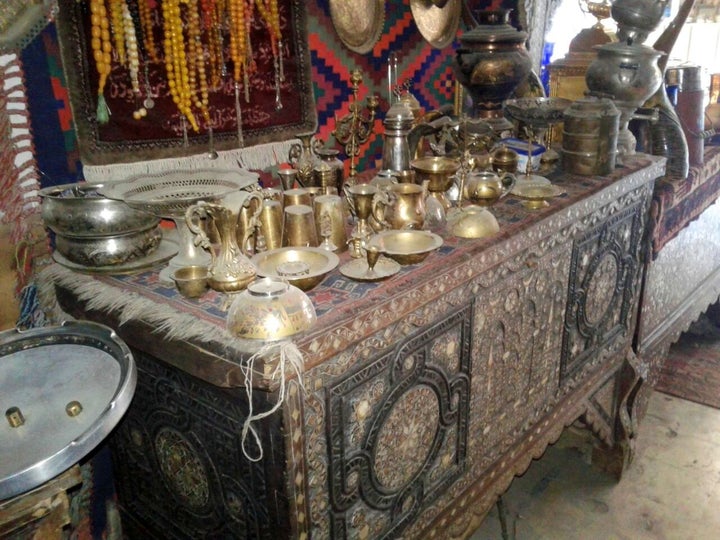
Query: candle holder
[(355, 128)]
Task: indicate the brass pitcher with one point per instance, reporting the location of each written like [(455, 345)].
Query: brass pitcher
[(401, 206), (230, 270)]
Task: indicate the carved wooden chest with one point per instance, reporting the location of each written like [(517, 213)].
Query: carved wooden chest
[(422, 396)]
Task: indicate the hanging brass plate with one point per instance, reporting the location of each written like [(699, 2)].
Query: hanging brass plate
[(359, 23), (437, 21)]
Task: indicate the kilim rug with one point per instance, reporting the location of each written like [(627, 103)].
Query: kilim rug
[(692, 369)]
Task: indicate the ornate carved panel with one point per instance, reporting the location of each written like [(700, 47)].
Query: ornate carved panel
[(670, 304), (397, 429), (516, 364), (179, 464), (604, 276)]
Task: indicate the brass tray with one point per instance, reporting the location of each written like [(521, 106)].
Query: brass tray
[(358, 23), (437, 21)]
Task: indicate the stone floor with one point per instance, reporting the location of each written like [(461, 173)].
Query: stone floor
[(670, 492)]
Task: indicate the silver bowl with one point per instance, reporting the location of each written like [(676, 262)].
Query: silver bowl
[(108, 250), (79, 211)]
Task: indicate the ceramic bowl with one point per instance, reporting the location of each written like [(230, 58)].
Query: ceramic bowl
[(406, 247), (270, 309), (302, 267)]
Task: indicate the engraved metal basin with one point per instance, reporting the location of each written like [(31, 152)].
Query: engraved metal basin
[(78, 210)]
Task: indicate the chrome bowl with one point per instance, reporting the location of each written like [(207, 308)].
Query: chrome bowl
[(79, 211), (302, 267), (108, 250), (406, 247)]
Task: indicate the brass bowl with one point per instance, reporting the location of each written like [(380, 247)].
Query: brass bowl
[(472, 222), (270, 309), (406, 247), (302, 267), (438, 170), (535, 195), (191, 281)]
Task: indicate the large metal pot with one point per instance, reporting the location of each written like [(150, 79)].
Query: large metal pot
[(630, 74), (78, 210), (92, 230), (636, 19), (108, 250), (490, 63)]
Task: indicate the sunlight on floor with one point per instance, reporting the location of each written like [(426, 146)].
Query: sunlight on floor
[(670, 491)]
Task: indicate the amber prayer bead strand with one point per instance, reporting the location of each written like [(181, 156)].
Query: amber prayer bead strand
[(102, 54)]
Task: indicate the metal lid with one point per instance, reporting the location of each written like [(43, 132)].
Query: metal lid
[(62, 390), (399, 115)]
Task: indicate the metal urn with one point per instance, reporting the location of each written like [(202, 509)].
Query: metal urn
[(636, 19), (631, 75), (490, 63)]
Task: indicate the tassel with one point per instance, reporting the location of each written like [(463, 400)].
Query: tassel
[(290, 358)]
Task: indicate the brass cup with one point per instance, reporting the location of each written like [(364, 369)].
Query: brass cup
[(330, 222), (191, 281), (406, 176), (437, 170), (360, 199), (299, 226), (287, 178), (297, 196), (271, 223)]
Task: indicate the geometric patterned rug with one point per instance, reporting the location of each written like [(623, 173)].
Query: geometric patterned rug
[(692, 368)]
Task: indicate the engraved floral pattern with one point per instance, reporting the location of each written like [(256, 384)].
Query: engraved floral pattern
[(404, 440)]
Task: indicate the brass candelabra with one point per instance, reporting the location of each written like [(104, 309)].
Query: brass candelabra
[(355, 128)]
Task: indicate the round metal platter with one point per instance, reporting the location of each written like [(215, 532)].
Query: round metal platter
[(43, 372), (358, 23), (438, 25)]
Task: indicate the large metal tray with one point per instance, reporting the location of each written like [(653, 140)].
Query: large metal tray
[(44, 370)]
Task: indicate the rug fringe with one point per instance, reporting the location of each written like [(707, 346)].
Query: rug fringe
[(260, 157)]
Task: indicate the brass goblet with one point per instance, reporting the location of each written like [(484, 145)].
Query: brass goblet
[(360, 200), (373, 254)]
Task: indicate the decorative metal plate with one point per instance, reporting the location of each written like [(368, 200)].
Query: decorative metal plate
[(437, 22), (165, 251), (70, 385), (359, 23), (169, 194)]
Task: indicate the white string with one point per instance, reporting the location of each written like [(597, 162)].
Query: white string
[(289, 354)]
